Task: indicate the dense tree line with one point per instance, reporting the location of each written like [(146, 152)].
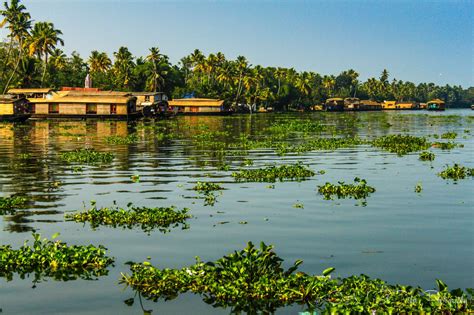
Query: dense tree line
[(30, 57)]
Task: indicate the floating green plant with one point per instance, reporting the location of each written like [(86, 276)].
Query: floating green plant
[(8, 204), (273, 173), (147, 219), (418, 187), (449, 135), (358, 190), (456, 172), (86, 156), (401, 144), (47, 258), (129, 139), (319, 144), (444, 145), (207, 186), (427, 156), (254, 281)]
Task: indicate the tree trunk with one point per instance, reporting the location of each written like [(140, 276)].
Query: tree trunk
[(15, 69), (44, 69)]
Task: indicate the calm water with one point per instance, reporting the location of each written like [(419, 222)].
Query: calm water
[(400, 236)]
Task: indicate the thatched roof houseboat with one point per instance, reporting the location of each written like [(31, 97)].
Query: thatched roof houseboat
[(334, 104), (13, 108), (205, 106), (436, 104)]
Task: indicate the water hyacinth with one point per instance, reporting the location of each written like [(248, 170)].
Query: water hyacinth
[(147, 219), (47, 258), (401, 144), (273, 173), (427, 156), (358, 190), (129, 139), (207, 186), (254, 281), (86, 156), (8, 204), (456, 172)]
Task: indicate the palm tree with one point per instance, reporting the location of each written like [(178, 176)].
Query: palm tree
[(99, 62), (44, 38), (58, 59), (155, 58), (329, 82), (122, 67)]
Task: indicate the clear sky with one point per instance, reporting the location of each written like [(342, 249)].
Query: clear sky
[(419, 41)]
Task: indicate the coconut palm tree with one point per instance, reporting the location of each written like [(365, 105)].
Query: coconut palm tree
[(99, 62), (155, 58), (43, 41), (123, 67), (58, 59)]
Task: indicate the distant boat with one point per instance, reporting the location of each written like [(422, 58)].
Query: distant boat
[(13, 108), (436, 104), (334, 105)]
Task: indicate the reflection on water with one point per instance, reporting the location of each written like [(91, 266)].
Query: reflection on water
[(413, 238)]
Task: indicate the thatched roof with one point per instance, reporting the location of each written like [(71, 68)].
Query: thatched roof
[(437, 101), (369, 103), (206, 102), (29, 91), (85, 97)]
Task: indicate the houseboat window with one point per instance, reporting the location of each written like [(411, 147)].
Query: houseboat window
[(33, 108), (91, 108), (113, 108), (147, 98), (53, 108)]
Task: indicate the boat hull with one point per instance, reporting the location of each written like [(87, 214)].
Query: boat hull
[(15, 118)]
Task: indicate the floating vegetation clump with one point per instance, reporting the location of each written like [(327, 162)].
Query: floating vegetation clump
[(129, 139), (358, 190), (449, 135), (401, 144), (444, 145), (320, 144), (456, 172), (207, 186), (254, 281), (8, 204), (427, 156), (305, 126), (87, 156), (273, 173), (47, 258), (147, 219)]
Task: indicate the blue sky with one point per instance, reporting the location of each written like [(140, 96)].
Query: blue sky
[(419, 41)]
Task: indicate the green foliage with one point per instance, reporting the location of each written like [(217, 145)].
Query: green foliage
[(47, 258), (254, 281), (456, 172), (401, 144), (320, 144), (8, 204), (147, 219), (207, 186), (358, 190), (444, 145), (427, 156), (130, 139), (449, 135), (86, 156), (418, 187), (273, 173)]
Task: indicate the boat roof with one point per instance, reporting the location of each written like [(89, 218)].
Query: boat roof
[(208, 102), (103, 97), (29, 91)]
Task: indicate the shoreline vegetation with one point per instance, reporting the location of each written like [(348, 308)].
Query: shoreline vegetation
[(31, 58)]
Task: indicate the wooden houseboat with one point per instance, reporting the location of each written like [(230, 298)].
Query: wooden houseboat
[(85, 104), (389, 105), (35, 93), (408, 105), (151, 104), (203, 106), (334, 105), (368, 105), (13, 108), (351, 104), (436, 104)]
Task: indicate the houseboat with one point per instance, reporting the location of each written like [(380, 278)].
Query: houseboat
[(83, 104), (196, 106), (436, 104), (351, 104), (368, 105), (13, 108), (389, 105), (334, 105), (408, 105), (35, 93), (151, 104)]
